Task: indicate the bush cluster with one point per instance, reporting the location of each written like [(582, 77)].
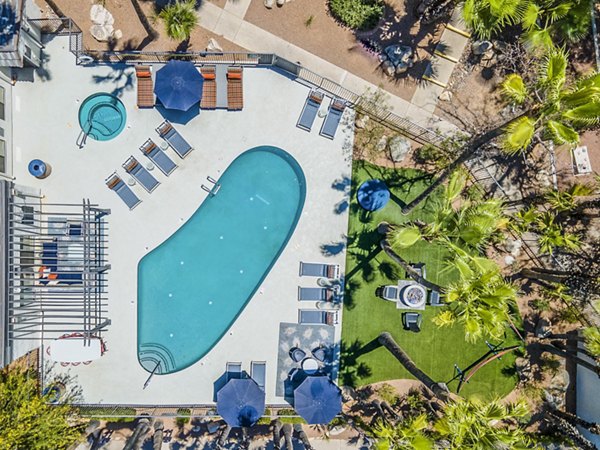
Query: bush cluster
[(357, 14)]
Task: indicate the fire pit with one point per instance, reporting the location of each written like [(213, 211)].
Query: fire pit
[(414, 296)]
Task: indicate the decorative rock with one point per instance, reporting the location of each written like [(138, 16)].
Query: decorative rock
[(401, 68), (382, 57), (280, 2), (362, 121), (381, 144), (542, 328), (560, 382), (513, 246), (100, 33), (101, 16), (269, 3), (509, 260), (117, 34), (445, 96), (388, 68), (399, 148), (213, 46), (482, 47)]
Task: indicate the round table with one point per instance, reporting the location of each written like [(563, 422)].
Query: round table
[(38, 168), (310, 366), (164, 145)]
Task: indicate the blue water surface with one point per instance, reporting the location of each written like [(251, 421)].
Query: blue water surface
[(102, 116), (193, 286)]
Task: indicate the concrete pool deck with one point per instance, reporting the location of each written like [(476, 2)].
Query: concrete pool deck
[(46, 127)]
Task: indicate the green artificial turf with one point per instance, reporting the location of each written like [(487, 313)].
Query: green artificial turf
[(435, 350)]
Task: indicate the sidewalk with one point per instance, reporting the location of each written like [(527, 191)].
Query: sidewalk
[(229, 23)]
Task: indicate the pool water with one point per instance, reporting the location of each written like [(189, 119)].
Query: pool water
[(194, 285), (102, 116)]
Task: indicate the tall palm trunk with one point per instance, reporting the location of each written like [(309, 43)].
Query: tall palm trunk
[(287, 435), (302, 436), (407, 267), (576, 420), (547, 275), (157, 438), (386, 339), (472, 146), (139, 435), (570, 431), (224, 436)]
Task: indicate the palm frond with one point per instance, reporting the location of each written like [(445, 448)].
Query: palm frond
[(514, 88), (584, 115), (560, 133), (518, 135)]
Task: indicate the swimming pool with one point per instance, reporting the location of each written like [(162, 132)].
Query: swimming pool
[(194, 285), (102, 116)]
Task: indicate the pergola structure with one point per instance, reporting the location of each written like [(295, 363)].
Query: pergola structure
[(53, 268)]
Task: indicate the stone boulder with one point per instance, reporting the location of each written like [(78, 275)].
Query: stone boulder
[(102, 24), (399, 148), (482, 47), (213, 46), (99, 15), (388, 68), (101, 33), (362, 121), (269, 4)]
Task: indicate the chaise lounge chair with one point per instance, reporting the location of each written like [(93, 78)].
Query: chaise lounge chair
[(133, 167), (315, 294), (145, 87), (391, 293), (233, 370), (334, 115), (412, 321), (319, 270), (435, 299), (310, 110), (235, 89), (175, 140), (258, 372), (209, 88), (158, 157), (306, 316), (115, 183)]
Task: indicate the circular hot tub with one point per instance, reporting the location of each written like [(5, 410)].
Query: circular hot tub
[(414, 296), (102, 116)]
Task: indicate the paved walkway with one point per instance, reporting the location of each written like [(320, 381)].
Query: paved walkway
[(229, 22)]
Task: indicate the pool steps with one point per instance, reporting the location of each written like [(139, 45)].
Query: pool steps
[(215, 189)]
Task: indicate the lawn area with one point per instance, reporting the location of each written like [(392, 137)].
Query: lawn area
[(435, 350)]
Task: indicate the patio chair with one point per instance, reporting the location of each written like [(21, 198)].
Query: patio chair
[(320, 353), (310, 110), (115, 183), (145, 87), (391, 293), (412, 321), (319, 270), (297, 354), (133, 167), (233, 370), (209, 88), (158, 157), (315, 294), (258, 372), (174, 139), (235, 89), (435, 299), (334, 116)]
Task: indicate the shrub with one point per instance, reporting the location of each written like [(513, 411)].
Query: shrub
[(183, 416), (357, 14), (180, 19)]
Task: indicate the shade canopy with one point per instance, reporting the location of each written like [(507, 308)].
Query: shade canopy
[(241, 402), (373, 195), (178, 85), (318, 400)]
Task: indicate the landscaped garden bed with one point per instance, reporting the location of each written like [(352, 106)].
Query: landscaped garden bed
[(434, 350)]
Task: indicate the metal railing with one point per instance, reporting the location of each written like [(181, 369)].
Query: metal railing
[(66, 26)]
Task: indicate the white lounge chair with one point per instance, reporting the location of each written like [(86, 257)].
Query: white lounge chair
[(319, 270)]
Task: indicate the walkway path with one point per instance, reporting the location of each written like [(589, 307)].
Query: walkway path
[(229, 22)]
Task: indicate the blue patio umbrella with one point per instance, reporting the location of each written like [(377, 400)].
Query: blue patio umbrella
[(178, 85), (318, 400), (241, 402), (373, 195)]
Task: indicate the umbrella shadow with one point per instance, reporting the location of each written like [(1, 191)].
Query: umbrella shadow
[(179, 117)]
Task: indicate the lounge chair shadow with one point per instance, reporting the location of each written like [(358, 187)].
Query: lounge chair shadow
[(180, 117)]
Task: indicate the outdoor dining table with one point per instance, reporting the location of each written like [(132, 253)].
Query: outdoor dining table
[(310, 366), (74, 350)]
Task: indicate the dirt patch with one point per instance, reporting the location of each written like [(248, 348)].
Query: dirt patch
[(135, 35), (564, 160), (324, 37)]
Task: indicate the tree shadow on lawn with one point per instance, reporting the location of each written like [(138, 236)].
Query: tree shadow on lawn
[(400, 181), (350, 369)]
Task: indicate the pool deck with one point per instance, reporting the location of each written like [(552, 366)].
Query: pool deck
[(46, 127)]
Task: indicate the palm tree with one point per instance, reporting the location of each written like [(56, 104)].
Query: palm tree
[(408, 434), (487, 17), (477, 424), (440, 390), (555, 109), (180, 19), (560, 109), (567, 428), (287, 435)]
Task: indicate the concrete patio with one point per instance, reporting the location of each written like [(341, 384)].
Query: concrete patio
[(46, 127)]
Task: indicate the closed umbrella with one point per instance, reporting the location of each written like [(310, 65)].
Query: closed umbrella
[(318, 400), (178, 85), (241, 402)]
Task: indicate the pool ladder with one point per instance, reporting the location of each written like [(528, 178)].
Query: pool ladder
[(215, 189), (82, 138)]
